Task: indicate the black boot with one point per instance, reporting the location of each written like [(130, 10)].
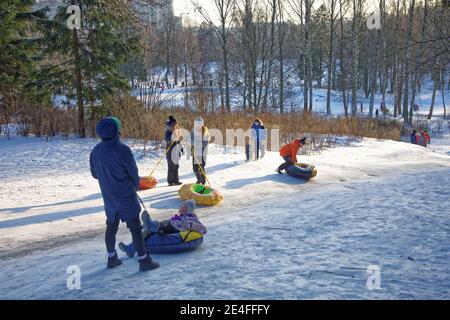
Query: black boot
[(176, 178), (147, 264), (113, 262)]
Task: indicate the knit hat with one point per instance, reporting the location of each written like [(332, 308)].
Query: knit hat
[(108, 128), (259, 121), (171, 121), (190, 204), (199, 123), (117, 121), (303, 141)]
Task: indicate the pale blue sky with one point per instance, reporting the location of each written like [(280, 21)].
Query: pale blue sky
[(185, 6)]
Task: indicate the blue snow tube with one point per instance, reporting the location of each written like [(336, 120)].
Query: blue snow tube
[(302, 171), (166, 244)]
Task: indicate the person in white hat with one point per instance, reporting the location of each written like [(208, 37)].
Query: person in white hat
[(199, 141)]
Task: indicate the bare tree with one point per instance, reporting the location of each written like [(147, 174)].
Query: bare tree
[(406, 72), (331, 67), (224, 10), (356, 27)]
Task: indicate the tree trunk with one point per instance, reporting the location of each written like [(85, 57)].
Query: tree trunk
[(271, 53), (330, 56), (407, 62), (79, 84), (433, 98), (443, 95), (227, 81), (395, 88), (281, 57), (373, 83), (341, 61), (382, 55), (355, 53), (308, 8)]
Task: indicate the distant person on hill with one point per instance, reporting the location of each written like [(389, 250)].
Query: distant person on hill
[(289, 153), (415, 138), (113, 165), (173, 139), (199, 143), (426, 137), (258, 140)]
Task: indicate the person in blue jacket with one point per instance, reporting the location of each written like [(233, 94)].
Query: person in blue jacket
[(415, 138), (113, 165), (258, 140)]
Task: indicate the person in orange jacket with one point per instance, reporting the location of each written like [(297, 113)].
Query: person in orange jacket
[(289, 153)]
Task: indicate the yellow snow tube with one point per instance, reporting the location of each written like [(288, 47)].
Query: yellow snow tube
[(310, 167), (202, 195)]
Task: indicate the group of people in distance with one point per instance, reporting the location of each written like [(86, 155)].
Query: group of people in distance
[(255, 148), (174, 150), (423, 139), (112, 163)]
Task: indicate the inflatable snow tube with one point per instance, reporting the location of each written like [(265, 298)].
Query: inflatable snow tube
[(202, 195), (146, 183), (302, 171), (167, 243)]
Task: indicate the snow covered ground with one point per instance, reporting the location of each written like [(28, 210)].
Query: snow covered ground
[(374, 202)]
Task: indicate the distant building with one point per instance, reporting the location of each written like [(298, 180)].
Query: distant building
[(154, 12), (53, 6)]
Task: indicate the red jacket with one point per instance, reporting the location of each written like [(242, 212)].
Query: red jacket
[(427, 137), (291, 150)]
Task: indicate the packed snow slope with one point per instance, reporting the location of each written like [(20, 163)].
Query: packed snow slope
[(373, 202)]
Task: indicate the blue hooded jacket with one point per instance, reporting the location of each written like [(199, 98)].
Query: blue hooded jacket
[(113, 164), (414, 138)]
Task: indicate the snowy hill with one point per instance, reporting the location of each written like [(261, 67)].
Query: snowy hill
[(374, 202)]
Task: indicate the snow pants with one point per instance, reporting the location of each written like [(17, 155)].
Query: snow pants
[(172, 173), (257, 149), (287, 162), (134, 225), (164, 228), (198, 172)]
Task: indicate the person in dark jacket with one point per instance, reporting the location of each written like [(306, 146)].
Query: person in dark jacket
[(173, 140), (258, 140), (113, 165)]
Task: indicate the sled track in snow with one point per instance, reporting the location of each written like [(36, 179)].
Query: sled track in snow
[(24, 249)]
